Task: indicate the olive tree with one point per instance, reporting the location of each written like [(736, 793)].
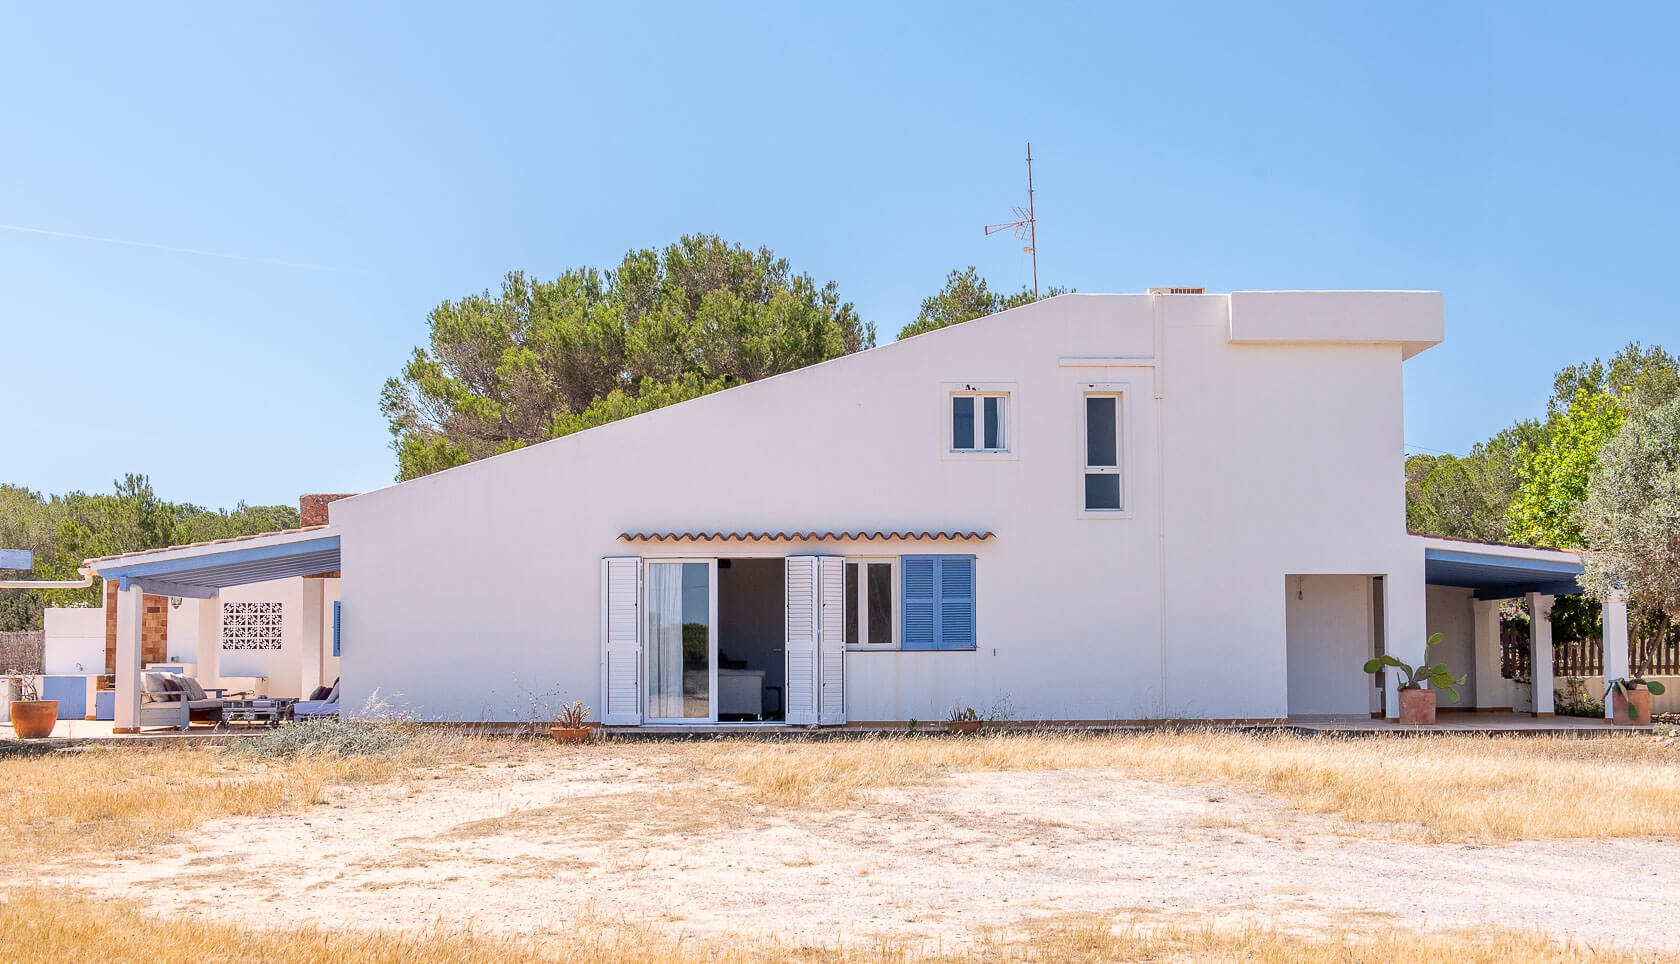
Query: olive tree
[(1630, 522)]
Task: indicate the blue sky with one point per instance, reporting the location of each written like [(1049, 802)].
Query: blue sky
[(365, 165)]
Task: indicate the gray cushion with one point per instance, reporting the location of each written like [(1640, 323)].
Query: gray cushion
[(193, 689)]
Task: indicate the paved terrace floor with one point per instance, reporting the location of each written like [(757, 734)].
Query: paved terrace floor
[(99, 731)]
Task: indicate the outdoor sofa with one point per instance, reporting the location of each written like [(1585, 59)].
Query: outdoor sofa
[(170, 699)]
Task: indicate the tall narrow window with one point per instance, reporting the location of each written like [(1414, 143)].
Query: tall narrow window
[(1102, 454), (979, 423), (869, 602), (852, 638)]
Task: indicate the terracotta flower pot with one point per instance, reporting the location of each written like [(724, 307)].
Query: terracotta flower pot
[(34, 719), (1417, 707), (964, 726), (1639, 699), (570, 734)]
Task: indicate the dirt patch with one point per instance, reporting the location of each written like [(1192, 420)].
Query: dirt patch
[(641, 836)]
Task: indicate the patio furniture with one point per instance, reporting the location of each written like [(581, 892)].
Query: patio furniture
[(170, 699), (741, 692), (269, 711), (327, 705)]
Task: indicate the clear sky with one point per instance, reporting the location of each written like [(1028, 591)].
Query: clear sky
[(303, 183)]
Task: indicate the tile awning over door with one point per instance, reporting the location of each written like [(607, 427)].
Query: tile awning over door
[(815, 535)]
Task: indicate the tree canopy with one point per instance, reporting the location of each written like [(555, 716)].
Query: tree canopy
[(1630, 518), (966, 297), (1527, 483), (63, 530), (541, 359)]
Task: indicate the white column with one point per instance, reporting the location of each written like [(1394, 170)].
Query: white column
[(1484, 620), (131, 604), (310, 677), (210, 641), (1540, 651), (1615, 641), (1408, 630)]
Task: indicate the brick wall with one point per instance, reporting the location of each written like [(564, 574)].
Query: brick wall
[(312, 508), (154, 628)]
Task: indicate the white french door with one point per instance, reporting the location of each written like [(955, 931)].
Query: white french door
[(679, 652)]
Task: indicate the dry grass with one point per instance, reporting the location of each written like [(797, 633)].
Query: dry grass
[(118, 799), (1463, 789), (45, 925)]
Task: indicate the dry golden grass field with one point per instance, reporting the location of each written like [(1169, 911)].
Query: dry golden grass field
[(1163, 845)]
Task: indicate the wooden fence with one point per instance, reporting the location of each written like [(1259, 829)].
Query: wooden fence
[(20, 652), (1578, 657)]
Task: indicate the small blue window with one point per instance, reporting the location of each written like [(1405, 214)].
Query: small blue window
[(335, 627), (937, 600)]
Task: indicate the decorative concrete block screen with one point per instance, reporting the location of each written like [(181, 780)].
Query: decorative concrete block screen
[(251, 625)]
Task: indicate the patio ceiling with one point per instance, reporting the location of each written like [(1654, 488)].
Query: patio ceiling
[(1501, 572), (203, 569)]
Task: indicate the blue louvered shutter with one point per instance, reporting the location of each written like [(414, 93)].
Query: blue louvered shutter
[(956, 602), (335, 627), (919, 602), (938, 602)]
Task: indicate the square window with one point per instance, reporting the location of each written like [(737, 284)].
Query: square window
[(979, 422)]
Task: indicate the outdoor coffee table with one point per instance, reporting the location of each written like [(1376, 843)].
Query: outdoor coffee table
[(269, 712)]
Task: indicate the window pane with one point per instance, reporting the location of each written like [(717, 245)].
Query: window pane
[(851, 604), (1102, 490), (679, 640), (993, 407), (962, 422), (1101, 436), (880, 603)]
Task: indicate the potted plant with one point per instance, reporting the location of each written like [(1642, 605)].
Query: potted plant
[(963, 720), (571, 724), (1631, 703), (1417, 704), (32, 717)]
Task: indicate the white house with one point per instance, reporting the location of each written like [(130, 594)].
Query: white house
[(1095, 507)]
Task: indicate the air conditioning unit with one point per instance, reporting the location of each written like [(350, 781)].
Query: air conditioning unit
[(1177, 291)]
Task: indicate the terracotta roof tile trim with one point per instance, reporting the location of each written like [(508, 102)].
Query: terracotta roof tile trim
[(855, 535)]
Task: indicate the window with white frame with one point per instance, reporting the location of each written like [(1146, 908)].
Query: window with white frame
[(979, 422), (1103, 489), (870, 613)]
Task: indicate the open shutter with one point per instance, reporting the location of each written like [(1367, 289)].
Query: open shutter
[(956, 602), (802, 640), (621, 640), (336, 631), (919, 599), (831, 642)]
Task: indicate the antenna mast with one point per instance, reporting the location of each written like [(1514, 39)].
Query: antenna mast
[(1025, 225)]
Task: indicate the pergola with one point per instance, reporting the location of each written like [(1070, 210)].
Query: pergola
[(1497, 573), (201, 571)]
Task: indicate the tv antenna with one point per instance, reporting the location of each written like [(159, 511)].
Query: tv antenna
[(1025, 225)]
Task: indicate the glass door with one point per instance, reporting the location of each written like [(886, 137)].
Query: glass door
[(681, 641)]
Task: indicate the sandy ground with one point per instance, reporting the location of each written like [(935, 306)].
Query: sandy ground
[(597, 834)]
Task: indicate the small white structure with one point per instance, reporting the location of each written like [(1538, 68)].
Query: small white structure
[(1094, 507)]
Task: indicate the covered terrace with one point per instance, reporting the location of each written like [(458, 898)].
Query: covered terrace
[(201, 571), (1494, 573)]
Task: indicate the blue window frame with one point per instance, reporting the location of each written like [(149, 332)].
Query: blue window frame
[(937, 602), (335, 627)]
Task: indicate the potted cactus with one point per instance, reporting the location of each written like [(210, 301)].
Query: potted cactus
[(964, 720), (1417, 704), (1631, 699), (32, 717), (571, 724)]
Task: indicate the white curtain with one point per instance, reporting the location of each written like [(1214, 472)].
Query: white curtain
[(665, 640)]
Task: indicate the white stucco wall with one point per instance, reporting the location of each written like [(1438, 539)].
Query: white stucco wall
[(1256, 460), (282, 667), (74, 641), (1450, 615), (1329, 639)]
